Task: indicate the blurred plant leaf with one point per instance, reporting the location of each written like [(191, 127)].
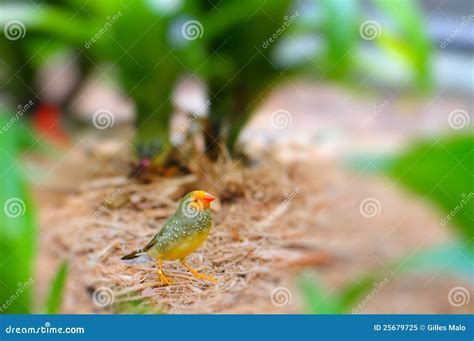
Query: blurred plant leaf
[(352, 293), (317, 299), (148, 67), (240, 66), (56, 293), (340, 32), (441, 170), (409, 39), (52, 20), (17, 224)]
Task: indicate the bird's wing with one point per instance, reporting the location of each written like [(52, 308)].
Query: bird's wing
[(166, 230)]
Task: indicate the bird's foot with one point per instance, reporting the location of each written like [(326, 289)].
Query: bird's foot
[(165, 280), (205, 277), (197, 274)]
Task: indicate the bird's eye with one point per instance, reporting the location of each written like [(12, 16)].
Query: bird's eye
[(195, 200)]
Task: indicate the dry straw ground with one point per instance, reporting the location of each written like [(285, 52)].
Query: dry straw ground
[(272, 222)]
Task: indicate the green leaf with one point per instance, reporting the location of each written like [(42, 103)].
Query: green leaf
[(441, 171), (351, 295), (317, 299), (56, 292), (406, 36), (48, 19), (340, 33), (17, 224)]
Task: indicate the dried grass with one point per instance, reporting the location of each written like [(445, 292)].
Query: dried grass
[(271, 222)]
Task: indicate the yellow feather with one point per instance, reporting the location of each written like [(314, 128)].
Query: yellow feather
[(185, 246)]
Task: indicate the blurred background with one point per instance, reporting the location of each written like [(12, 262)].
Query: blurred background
[(337, 136)]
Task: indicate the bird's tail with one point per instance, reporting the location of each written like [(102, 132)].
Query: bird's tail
[(136, 257)]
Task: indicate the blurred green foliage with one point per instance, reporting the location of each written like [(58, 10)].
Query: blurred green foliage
[(18, 226), (341, 35), (148, 69), (56, 293), (441, 170), (239, 71), (407, 39), (233, 51)]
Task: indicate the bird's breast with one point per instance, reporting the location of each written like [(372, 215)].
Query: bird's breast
[(185, 246), (181, 236)]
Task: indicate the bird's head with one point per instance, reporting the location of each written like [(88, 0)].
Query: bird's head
[(195, 202)]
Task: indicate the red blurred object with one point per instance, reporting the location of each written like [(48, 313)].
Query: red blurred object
[(47, 123)]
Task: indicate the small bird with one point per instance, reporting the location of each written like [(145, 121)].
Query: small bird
[(181, 234)]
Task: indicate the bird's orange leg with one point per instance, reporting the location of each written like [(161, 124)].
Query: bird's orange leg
[(197, 274), (164, 279)]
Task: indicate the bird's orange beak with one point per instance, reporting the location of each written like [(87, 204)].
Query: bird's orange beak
[(208, 198)]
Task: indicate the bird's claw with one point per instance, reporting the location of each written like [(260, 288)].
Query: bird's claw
[(197, 274), (165, 280), (206, 278)]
